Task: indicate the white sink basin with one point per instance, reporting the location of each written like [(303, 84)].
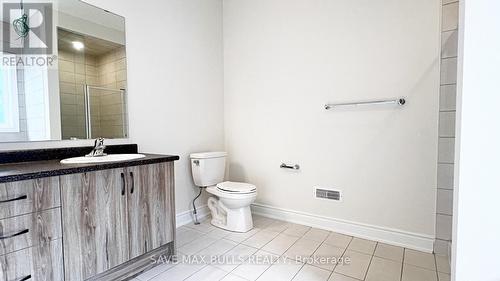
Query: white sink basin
[(102, 159)]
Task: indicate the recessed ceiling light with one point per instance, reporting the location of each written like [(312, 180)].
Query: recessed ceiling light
[(78, 45)]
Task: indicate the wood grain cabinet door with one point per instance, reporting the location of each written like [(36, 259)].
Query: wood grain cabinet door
[(151, 208), (94, 215)]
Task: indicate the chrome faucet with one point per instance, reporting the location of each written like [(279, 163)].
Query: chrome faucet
[(98, 149)]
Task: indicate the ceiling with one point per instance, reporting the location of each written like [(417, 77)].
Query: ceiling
[(83, 10), (93, 46)]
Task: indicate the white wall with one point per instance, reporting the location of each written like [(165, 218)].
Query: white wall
[(174, 61), (476, 230), (284, 59), (174, 65)]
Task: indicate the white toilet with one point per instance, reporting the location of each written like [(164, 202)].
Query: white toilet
[(231, 211)]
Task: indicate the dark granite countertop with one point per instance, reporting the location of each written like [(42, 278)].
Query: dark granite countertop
[(50, 168), (41, 163)]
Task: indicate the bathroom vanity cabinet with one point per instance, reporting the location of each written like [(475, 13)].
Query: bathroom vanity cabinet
[(30, 230), (112, 216), (86, 222)]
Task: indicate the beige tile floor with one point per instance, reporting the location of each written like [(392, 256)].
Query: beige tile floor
[(280, 251)]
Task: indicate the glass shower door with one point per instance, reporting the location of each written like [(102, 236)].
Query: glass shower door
[(105, 114)]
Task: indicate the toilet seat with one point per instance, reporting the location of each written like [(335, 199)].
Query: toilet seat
[(236, 187), (230, 195)]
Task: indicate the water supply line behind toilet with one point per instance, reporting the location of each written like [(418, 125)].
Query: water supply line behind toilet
[(195, 213)]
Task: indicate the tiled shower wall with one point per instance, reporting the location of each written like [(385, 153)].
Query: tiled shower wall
[(75, 70), (108, 70), (447, 109), (112, 73), (112, 69)]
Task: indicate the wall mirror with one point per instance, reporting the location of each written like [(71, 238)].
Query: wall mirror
[(63, 74)]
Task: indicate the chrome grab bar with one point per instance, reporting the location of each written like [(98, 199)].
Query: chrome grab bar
[(292, 167), (398, 101)]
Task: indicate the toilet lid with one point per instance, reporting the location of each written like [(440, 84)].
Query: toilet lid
[(236, 187)]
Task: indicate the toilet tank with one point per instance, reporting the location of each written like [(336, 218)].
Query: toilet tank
[(208, 168)]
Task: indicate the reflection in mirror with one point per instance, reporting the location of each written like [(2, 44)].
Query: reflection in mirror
[(12, 105), (79, 89), (24, 102), (92, 82)]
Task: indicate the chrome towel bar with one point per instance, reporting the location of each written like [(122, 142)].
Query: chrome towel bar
[(292, 167), (398, 101)]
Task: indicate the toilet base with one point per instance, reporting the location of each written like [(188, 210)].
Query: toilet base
[(236, 220)]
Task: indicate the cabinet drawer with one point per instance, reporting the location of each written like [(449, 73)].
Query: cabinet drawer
[(24, 197), (29, 230), (41, 263)]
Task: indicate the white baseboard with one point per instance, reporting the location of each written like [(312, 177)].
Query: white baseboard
[(187, 216), (415, 241)]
